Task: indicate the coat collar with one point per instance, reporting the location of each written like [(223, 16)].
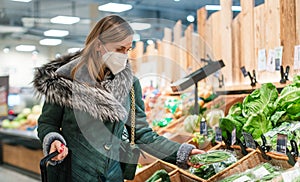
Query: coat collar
[(103, 100)]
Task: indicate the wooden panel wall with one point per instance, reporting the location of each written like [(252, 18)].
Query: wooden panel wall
[(260, 34), (188, 35), (247, 34), (226, 44), (288, 31), (236, 54), (297, 22), (237, 41)]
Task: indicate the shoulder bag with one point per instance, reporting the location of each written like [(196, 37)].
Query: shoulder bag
[(129, 151)]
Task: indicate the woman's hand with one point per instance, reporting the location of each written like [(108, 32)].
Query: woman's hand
[(61, 148), (194, 152)]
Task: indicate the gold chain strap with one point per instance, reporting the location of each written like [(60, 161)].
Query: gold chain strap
[(132, 116)]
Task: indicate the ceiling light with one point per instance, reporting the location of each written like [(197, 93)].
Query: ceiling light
[(35, 52), (68, 20), (74, 49), (150, 42), (24, 1), (25, 48), (136, 37), (176, 0), (217, 8), (6, 49), (236, 8), (140, 26), (50, 42), (190, 18), (56, 33), (115, 7), (11, 29)]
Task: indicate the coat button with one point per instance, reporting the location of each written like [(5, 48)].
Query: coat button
[(107, 146)]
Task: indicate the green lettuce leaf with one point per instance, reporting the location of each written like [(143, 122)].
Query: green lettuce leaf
[(257, 124)]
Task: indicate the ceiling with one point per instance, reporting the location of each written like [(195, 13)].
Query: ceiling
[(30, 20)]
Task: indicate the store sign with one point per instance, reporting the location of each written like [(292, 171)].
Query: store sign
[(233, 136)]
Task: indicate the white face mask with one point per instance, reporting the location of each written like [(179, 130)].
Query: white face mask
[(115, 61)]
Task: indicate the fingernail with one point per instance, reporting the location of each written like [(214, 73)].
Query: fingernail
[(62, 145), (61, 150)]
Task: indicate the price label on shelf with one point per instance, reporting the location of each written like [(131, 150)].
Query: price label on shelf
[(281, 143), (218, 134), (203, 127), (249, 140), (233, 136)]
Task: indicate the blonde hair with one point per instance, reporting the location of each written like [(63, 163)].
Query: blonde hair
[(111, 28)]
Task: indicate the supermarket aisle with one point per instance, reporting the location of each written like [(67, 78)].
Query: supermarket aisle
[(7, 175)]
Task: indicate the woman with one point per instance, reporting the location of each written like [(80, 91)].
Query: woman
[(87, 104)]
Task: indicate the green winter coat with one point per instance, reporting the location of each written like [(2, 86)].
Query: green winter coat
[(84, 117)]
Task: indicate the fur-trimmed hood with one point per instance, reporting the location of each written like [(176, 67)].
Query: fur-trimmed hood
[(103, 100)]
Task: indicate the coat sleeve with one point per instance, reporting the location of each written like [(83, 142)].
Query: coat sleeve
[(49, 124), (151, 142)]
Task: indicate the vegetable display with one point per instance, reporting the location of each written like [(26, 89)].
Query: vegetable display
[(202, 140), (261, 173), (263, 110), (214, 162), (210, 157)]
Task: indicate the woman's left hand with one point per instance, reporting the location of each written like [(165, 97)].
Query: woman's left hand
[(194, 152)]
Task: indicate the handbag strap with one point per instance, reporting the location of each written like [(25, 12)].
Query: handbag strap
[(132, 116)]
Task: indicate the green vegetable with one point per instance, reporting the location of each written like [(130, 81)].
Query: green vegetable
[(159, 174), (257, 124), (210, 157)]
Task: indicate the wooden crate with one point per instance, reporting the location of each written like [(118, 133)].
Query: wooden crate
[(148, 171), (180, 176), (22, 157)]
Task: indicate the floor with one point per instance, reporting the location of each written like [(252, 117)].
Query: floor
[(9, 175)]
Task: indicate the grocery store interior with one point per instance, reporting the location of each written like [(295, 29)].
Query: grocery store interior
[(222, 75)]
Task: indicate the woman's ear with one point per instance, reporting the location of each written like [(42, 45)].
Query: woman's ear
[(98, 45)]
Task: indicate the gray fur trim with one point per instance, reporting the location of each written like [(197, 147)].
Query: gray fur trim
[(48, 139), (183, 155), (103, 101)]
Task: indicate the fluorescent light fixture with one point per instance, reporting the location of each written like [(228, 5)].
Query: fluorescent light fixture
[(190, 18), (140, 26), (25, 48), (6, 49), (236, 8), (115, 7), (74, 49), (56, 33), (176, 0), (11, 29), (150, 42), (50, 42), (68, 20), (23, 1), (136, 37), (217, 8)]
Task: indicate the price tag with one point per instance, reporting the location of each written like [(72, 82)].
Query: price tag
[(203, 127), (281, 143), (249, 140), (218, 134), (260, 172), (242, 179), (233, 136), (244, 71)]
